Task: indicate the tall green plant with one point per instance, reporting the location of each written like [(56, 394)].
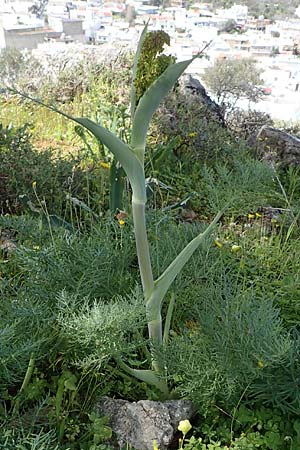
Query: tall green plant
[(131, 158)]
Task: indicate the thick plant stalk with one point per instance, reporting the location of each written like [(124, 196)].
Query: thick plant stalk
[(153, 313), (142, 246)]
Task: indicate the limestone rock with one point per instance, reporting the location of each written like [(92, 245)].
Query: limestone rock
[(139, 424), (193, 87), (278, 147), (7, 242)]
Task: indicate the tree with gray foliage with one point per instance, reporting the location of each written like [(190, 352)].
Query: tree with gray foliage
[(230, 80), (19, 69)]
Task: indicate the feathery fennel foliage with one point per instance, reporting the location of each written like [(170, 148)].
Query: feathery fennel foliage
[(226, 346), (101, 331)]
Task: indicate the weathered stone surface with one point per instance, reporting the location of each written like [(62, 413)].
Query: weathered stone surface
[(7, 242), (193, 87), (278, 147), (139, 424)]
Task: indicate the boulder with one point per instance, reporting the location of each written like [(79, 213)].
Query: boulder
[(139, 424), (193, 87), (278, 147)]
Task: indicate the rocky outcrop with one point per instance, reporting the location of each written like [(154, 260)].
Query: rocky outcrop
[(139, 424), (278, 147), (193, 87)]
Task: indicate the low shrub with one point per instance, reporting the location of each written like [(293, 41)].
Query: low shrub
[(198, 131), (247, 428), (246, 124), (39, 181), (20, 69)]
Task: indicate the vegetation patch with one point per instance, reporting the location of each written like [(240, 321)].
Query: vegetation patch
[(203, 306)]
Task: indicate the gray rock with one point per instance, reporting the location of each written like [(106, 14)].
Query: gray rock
[(278, 147), (139, 424), (193, 86)]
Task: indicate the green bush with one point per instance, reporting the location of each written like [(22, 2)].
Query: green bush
[(280, 386), (20, 69), (40, 181), (244, 183), (89, 79), (223, 347), (198, 132), (79, 282), (100, 265), (47, 267)]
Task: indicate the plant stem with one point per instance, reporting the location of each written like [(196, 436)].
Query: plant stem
[(142, 246), (25, 383), (155, 335), (153, 312), (28, 374)]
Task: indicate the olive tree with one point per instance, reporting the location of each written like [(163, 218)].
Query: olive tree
[(19, 68), (230, 80)]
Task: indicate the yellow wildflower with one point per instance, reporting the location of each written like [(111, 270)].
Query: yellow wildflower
[(218, 243), (155, 446), (105, 165), (235, 248), (251, 216), (258, 215), (184, 426), (34, 184), (121, 222), (260, 364)]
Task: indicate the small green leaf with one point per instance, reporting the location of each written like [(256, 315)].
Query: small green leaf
[(70, 383)]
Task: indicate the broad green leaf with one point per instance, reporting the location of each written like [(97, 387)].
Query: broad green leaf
[(70, 383), (127, 158), (116, 178), (123, 153), (150, 101), (134, 70), (148, 376), (162, 284)]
